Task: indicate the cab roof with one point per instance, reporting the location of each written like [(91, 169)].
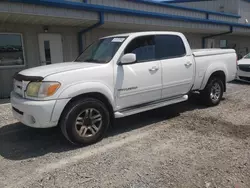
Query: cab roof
[(144, 33)]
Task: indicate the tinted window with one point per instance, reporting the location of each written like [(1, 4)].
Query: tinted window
[(143, 47), (169, 46), (11, 50)]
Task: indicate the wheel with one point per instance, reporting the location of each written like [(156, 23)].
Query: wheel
[(85, 121), (213, 92)]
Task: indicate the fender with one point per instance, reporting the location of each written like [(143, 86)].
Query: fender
[(78, 89), (216, 66), (88, 87)]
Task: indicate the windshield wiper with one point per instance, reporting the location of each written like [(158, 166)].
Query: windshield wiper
[(90, 61), (94, 61), (86, 60)]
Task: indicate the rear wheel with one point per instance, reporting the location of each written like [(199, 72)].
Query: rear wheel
[(213, 92), (85, 121)]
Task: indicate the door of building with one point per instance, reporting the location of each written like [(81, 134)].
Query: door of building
[(210, 43), (50, 47)]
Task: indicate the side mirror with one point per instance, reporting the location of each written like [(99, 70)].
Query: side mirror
[(128, 59)]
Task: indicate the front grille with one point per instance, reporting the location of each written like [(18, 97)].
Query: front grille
[(18, 111), (245, 78), (245, 68)]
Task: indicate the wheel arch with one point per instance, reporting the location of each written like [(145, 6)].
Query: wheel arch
[(215, 70), (220, 74), (84, 90), (95, 95)]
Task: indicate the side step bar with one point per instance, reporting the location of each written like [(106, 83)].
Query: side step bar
[(150, 107)]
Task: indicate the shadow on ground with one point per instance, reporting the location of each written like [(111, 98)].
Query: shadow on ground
[(18, 142), (4, 101), (239, 82)]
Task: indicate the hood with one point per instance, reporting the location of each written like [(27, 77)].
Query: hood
[(244, 62), (47, 70)]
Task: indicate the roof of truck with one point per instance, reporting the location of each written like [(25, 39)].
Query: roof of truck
[(145, 33)]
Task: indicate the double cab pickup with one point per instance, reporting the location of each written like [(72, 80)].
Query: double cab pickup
[(118, 76)]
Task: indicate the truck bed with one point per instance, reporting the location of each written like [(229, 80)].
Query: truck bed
[(208, 60), (211, 51)]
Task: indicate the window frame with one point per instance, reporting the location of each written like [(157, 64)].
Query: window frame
[(173, 57), (153, 35), (24, 56)]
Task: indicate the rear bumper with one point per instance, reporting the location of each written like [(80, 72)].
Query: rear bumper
[(37, 114)]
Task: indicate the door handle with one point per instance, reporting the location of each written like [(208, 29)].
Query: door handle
[(154, 69), (188, 64)]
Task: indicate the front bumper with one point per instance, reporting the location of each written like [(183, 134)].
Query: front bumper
[(244, 76), (33, 113)]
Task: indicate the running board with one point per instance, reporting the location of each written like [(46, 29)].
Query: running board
[(150, 107)]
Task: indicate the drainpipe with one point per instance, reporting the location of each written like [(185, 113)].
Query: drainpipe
[(207, 16), (216, 35), (80, 34)]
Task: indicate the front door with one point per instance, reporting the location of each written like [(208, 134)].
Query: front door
[(50, 46), (139, 83)]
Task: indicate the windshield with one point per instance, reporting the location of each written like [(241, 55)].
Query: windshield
[(247, 56), (101, 51)]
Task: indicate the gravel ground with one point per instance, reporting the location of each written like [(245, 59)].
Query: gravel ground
[(184, 145)]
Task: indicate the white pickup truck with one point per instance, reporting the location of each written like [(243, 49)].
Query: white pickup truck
[(118, 76)]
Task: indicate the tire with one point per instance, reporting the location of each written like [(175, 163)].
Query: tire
[(213, 92), (85, 121)]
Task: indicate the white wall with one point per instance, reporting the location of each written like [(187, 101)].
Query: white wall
[(227, 6), (244, 11), (239, 42), (146, 7), (24, 8), (31, 49)]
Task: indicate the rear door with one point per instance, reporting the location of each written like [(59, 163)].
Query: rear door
[(177, 66)]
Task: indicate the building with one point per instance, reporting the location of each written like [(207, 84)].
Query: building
[(39, 32)]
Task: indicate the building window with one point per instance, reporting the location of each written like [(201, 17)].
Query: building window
[(223, 43), (11, 50)]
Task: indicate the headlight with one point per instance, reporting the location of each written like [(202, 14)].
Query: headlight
[(42, 89)]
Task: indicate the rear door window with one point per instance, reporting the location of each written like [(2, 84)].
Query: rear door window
[(169, 46)]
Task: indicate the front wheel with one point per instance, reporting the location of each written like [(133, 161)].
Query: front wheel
[(85, 121), (213, 92)]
